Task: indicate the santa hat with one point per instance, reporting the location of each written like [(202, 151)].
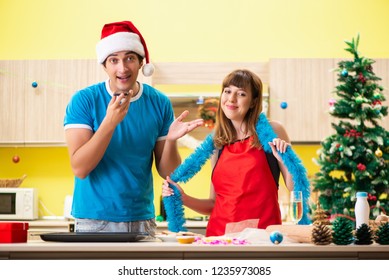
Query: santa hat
[(123, 36)]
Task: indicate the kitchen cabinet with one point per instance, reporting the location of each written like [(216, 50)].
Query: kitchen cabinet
[(305, 85), (34, 115), (34, 95), (45, 105)]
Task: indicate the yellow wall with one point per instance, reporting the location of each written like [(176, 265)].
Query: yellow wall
[(178, 30), (202, 30), (47, 169)]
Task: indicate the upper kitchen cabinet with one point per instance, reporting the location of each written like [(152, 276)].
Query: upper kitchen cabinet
[(307, 85), (34, 95), (45, 104), (34, 115)]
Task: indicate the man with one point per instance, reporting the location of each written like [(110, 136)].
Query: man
[(113, 130)]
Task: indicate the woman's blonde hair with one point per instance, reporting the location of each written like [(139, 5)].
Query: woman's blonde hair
[(224, 130)]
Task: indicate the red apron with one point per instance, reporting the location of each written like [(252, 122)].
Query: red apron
[(244, 187)]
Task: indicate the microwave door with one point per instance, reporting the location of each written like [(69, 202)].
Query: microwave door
[(7, 203)]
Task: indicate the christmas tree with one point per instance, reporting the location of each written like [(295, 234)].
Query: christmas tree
[(356, 158)]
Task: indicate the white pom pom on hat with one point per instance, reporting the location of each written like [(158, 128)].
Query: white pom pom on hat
[(123, 36)]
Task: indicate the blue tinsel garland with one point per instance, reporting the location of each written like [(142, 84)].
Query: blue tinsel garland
[(194, 163)]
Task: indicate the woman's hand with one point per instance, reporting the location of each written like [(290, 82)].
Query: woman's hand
[(167, 190), (278, 145)]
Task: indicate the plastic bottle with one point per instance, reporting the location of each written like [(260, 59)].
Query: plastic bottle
[(362, 210)]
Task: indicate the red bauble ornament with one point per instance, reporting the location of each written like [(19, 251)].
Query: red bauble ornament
[(361, 167), (361, 78), (352, 133), (371, 197), (15, 159)]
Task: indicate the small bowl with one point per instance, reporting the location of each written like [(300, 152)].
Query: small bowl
[(185, 239)]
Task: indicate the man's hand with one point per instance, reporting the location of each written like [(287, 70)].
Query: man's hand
[(118, 107), (179, 128)]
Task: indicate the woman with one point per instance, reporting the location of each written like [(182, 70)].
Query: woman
[(242, 185)]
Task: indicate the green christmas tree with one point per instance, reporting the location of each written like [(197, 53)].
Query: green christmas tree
[(356, 158)]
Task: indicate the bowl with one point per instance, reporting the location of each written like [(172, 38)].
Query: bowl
[(185, 239), (12, 183)]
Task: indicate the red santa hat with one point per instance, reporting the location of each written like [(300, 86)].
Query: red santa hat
[(123, 36)]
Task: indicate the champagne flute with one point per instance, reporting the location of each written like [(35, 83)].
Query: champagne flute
[(296, 206)]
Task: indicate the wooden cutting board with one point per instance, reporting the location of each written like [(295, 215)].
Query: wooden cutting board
[(297, 233)]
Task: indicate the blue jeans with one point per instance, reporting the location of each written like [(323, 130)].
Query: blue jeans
[(88, 225)]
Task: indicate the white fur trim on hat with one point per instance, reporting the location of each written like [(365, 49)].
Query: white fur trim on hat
[(148, 69), (120, 41)]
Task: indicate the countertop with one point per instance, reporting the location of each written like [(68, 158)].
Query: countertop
[(38, 249)]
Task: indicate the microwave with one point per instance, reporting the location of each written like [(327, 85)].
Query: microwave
[(18, 204)]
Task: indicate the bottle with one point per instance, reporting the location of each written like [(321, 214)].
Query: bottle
[(362, 210)]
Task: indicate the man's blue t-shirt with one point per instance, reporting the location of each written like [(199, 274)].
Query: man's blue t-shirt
[(120, 188)]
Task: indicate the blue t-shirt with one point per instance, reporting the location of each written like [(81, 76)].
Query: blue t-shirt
[(120, 188)]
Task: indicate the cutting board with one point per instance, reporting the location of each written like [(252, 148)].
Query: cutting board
[(296, 233)]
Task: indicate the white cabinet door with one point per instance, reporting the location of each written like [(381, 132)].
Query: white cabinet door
[(12, 87), (34, 115)]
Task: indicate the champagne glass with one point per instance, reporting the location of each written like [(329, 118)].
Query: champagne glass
[(296, 206)]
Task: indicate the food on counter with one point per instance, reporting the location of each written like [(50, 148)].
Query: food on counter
[(221, 240), (185, 239)]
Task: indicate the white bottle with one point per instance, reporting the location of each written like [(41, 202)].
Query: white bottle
[(362, 210)]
